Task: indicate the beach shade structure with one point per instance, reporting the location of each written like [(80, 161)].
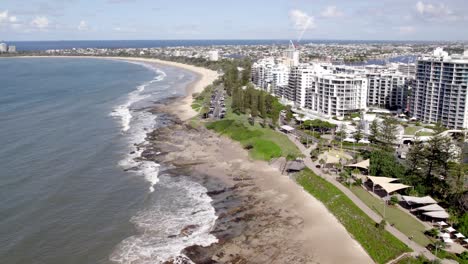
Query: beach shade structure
[(459, 235), (437, 214), (380, 180), (450, 229), (431, 207), (418, 200), (444, 235), (361, 165), (465, 240), (442, 223), (448, 240), (393, 187)]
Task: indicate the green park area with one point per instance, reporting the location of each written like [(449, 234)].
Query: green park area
[(402, 221), (262, 142), (379, 243)]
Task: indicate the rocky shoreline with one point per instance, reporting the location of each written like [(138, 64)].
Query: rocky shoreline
[(257, 223)]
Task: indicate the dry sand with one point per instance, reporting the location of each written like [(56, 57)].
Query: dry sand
[(264, 217)]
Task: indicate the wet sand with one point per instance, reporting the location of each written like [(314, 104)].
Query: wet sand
[(263, 216)]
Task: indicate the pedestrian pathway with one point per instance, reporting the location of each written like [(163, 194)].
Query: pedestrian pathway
[(418, 250)]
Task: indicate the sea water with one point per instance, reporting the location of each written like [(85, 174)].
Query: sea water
[(71, 190)]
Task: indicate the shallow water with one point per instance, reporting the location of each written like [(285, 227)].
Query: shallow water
[(68, 129)]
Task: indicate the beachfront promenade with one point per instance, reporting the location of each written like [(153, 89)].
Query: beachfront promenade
[(418, 250)]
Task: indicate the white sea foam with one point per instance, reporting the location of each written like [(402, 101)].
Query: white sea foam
[(159, 228), (136, 125)]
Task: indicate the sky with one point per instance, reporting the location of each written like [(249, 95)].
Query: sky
[(445, 20)]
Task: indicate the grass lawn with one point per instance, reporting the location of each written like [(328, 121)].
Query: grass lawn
[(264, 143), (411, 130), (393, 215), (379, 244), (422, 134)]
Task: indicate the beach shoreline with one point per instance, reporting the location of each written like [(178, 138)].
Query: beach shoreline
[(263, 215), (182, 107)]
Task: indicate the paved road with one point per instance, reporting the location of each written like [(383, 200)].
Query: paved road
[(418, 250)]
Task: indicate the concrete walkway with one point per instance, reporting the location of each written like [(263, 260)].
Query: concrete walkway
[(418, 250)]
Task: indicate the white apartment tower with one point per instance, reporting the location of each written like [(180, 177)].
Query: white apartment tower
[(317, 89), (3, 47), (213, 55), (440, 89), (387, 89), (292, 55), (12, 49), (337, 94)]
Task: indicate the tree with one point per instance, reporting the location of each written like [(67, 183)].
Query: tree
[(374, 132), (388, 131), (341, 133), (437, 152), (262, 105), (383, 163), (357, 135)]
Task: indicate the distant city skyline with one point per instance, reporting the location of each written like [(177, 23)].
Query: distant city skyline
[(207, 19)]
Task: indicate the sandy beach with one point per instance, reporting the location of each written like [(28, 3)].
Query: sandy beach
[(183, 106), (263, 216)]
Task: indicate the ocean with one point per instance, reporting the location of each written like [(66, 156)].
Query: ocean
[(71, 190)]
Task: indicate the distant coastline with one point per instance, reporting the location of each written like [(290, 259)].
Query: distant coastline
[(181, 108)]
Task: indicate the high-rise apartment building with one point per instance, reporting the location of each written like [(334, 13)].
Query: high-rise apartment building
[(440, 89)]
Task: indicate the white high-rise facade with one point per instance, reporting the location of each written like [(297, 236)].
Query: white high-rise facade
[(3, 47), (269, 75), (11, 49), (387, 89), (213, 55), (314, 88), (440, 90)]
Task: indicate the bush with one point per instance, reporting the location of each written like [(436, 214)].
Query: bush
[(382, 224), (393, 200)]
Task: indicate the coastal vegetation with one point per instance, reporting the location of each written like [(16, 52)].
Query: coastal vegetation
[(263, 143), (379, 243)]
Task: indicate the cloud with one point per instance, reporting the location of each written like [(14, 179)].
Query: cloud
[(301, 21), (331, 11), (406, 29), (40, 22), (6, 18), (83, 26), (436, 11)]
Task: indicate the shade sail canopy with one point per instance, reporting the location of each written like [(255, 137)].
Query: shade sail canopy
[(363, 164), (442, 223), (431, 207), (381, 180), (444, 235), (437, 214), (392, 187), (448, 240), (459, 235), (418, 200), (450, 229)]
